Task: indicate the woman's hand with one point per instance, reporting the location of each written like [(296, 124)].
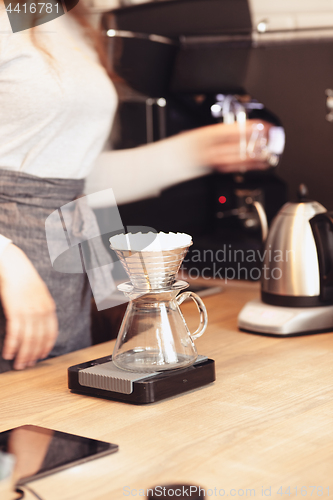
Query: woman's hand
[(32, 326), (225, 147)]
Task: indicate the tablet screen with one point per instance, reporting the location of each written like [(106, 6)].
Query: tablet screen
[(39, 451)]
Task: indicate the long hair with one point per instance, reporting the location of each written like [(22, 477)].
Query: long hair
[(81, 14)]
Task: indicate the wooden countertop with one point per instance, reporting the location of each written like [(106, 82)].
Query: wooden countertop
[(266, 422)]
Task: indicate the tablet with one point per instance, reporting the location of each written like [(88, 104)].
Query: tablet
[(40, 452)]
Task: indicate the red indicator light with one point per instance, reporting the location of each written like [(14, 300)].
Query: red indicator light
[(222, 199)]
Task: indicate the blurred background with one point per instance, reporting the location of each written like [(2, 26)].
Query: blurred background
[(188, 63)]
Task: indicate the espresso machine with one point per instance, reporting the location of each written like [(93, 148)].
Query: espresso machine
[(179, 61)]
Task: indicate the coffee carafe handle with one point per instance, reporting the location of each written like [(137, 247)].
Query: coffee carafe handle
[(322, 229), (202, 311)]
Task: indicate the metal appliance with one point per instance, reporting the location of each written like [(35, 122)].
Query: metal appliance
[(148, 46), (178, 59), (184, 53), (297, 277)]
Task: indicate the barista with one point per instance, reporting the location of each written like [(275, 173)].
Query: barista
[(57, 103)]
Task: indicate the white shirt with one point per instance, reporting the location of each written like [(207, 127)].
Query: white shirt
[(56, 114)]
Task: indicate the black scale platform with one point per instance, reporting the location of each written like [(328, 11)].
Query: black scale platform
[(100, 378)]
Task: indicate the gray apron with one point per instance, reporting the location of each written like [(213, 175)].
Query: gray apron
[(26, 201)]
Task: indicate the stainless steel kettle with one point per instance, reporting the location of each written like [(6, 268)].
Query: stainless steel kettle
[(298, 256)]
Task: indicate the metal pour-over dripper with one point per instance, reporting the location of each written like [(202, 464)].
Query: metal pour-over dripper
[(151, 260), (154, 335)]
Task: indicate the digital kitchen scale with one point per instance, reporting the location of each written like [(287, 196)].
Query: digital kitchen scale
[(101, 378), (258, 317)]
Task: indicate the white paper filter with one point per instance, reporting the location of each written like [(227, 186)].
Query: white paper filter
[(150, 242), (151, 260)]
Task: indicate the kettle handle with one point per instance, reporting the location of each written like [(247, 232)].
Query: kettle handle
[(202, 311), (322, 229), (262, 219)]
